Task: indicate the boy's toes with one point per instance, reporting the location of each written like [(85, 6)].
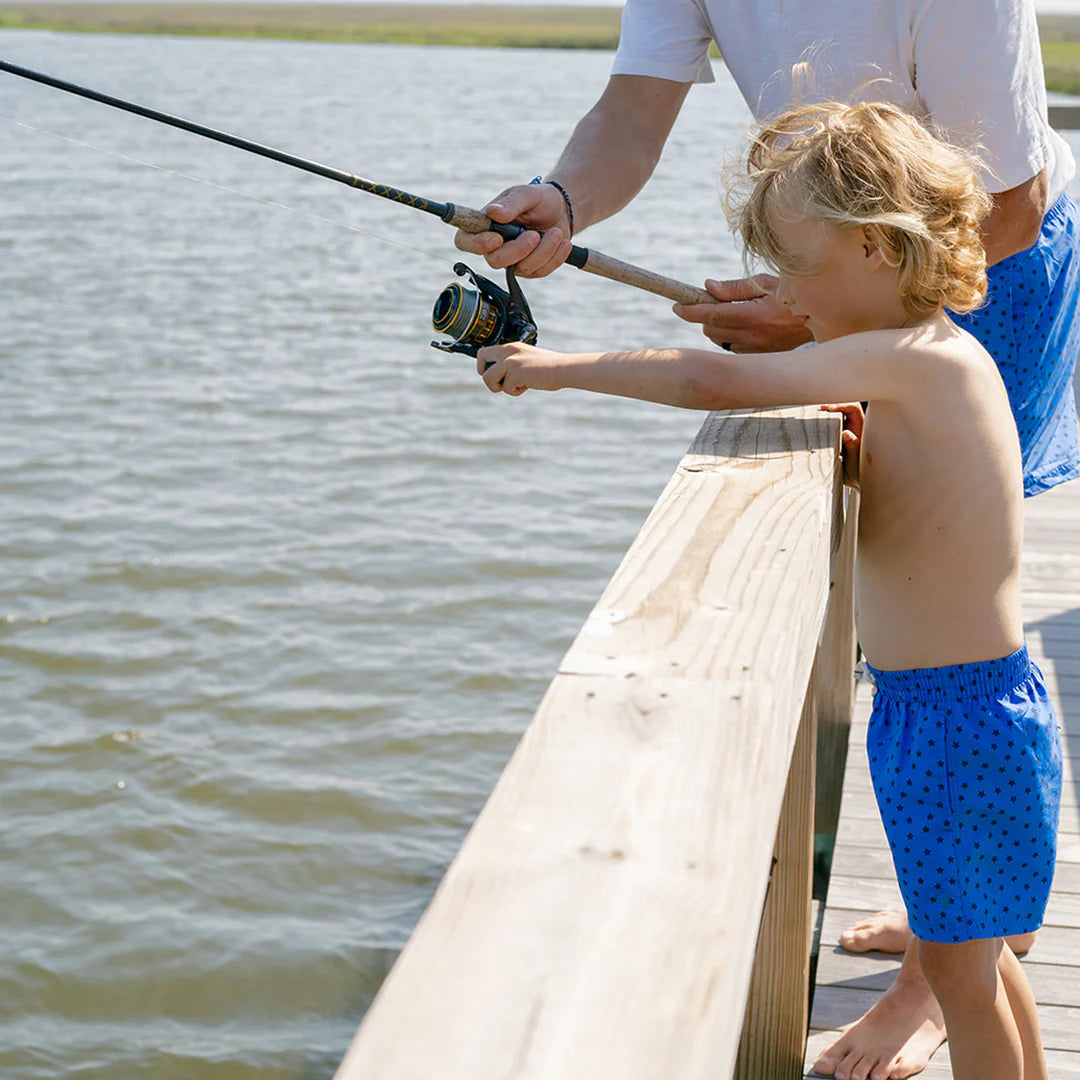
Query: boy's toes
[(846, 1069), (826, 1064), (887, 1070), (863, 1069)]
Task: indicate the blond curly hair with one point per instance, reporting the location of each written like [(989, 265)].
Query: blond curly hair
[(874, 166)]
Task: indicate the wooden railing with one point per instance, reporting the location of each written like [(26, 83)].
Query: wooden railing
[(602, 917)]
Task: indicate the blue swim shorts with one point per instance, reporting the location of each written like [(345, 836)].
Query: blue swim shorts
[(966, 764), (1030, 325)]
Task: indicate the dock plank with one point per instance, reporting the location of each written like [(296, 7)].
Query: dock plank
[(863, 880)]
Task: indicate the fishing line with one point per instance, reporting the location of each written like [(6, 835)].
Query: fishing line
[(462, 217), (222, 187), (473, 316)]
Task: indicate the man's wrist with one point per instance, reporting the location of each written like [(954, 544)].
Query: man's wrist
[(565, 196)]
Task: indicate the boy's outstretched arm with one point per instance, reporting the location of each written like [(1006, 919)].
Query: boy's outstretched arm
[(856, 367)]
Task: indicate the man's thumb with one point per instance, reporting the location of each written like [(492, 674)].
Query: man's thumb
[(512, 203)]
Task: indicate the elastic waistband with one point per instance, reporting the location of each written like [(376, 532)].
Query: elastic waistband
[(1063, 208), (985, 678), (1056, 229)]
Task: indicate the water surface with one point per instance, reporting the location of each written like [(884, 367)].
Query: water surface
[(282, 584)]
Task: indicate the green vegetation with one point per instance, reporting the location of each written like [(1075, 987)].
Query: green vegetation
[(1061, 59), (542, 26), (412, 24)]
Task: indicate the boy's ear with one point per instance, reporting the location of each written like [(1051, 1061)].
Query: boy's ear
[(874, 255)]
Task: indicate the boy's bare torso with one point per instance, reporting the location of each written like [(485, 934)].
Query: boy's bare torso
[(941, 517)]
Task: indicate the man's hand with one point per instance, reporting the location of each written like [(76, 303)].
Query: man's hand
[(850, 439), (516, 367), (545, 245), (747, 317)]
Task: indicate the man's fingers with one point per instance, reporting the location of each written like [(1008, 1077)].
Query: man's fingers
[(719, 316), (481, 243), (733, 291), (548, 253), (516, 252), (734, 327), (695, 313), (513, 203)]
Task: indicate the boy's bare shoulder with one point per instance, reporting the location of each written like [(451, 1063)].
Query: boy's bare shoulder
[(935, 340), (934, 352)]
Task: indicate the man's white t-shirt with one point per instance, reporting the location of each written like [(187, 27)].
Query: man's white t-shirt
[(971, 67)]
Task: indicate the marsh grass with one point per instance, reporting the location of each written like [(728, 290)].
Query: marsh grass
[(413, 24)]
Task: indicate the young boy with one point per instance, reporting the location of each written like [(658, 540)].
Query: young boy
[(871, 225)]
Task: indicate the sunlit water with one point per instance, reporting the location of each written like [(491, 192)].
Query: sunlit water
[(282, 585)]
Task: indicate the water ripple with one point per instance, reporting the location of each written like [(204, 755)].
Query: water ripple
[(282, 585)]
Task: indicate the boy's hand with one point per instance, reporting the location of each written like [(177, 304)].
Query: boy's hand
[(747, 317), (850, 439), (516, 367)]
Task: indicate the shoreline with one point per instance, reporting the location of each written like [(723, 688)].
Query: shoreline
[(541, 26)]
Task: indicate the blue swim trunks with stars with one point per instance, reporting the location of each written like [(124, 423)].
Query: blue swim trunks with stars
[(966, 764), (1030, 325)]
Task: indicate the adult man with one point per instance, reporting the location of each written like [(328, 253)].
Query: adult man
[(970, 68)]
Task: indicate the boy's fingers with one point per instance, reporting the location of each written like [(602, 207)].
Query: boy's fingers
[(489, 366)]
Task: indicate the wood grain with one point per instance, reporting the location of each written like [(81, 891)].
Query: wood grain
[(602, 915)]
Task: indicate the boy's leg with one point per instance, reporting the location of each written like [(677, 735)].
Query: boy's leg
[(896, 1038), (899, 1034), (984, 1038), (1026, 1015)]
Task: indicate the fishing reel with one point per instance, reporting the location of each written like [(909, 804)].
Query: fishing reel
[(484, 315)]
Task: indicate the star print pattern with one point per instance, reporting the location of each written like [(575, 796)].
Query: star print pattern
[(966, 765), (1030, 325)]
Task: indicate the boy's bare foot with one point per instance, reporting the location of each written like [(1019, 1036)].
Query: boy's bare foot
[(895, 1039), (888, 932)]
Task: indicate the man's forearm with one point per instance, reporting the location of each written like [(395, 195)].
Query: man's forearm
[(1014, 223), (616, 145)]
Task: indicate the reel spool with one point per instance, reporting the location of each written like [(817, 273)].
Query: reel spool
[(483, 315)]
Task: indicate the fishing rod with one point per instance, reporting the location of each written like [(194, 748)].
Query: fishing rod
[(472, 317)]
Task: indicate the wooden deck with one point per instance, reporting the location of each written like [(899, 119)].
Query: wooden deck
[(862, 879)]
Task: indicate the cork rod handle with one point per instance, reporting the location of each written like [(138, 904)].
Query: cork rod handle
[(593, 262)]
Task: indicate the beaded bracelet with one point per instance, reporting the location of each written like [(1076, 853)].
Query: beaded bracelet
[(562, 191)]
